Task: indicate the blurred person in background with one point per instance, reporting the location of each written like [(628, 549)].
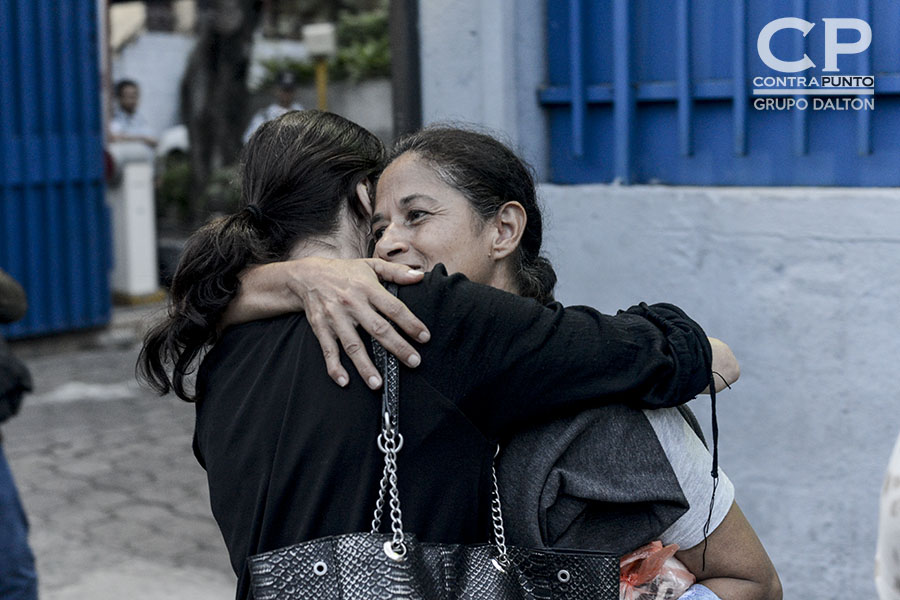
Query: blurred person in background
[(127, 124), (18, 578), (285, 91)]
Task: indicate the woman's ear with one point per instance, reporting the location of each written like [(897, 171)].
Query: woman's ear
[(510, 223), (362, 193)]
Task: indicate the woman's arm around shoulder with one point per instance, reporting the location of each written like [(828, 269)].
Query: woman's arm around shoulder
[(516, 359), (337, 295)]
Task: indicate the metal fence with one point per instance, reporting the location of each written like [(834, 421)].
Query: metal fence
[(646, 91), (54, 221)]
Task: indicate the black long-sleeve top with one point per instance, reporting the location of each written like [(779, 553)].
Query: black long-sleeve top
[(290, 456)]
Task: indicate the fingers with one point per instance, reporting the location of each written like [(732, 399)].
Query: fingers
[(394, 309), (329, 333), (348, 294), (380, 329), (330, 349), (356, 351), (395, 272)]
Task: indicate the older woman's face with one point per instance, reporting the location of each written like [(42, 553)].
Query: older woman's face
[(420, 221)]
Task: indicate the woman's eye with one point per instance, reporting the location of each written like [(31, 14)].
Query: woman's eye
[(377, 233), (415, 215)]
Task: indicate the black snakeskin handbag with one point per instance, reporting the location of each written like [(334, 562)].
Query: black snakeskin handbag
[(396, 566)]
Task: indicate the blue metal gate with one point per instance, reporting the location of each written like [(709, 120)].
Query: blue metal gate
[(54, 222), (663, 91)]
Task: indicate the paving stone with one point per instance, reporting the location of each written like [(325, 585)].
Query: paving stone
[(115, 498)]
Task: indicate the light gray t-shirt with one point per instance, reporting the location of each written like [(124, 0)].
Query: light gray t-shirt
[(692, 464)]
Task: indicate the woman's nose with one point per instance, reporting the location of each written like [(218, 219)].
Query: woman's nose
[(390, 244)]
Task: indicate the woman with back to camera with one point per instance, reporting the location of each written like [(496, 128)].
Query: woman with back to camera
[(289, 455), (446, 190)]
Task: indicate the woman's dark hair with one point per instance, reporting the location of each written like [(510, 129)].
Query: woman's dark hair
[(297, 174), (489, 175)]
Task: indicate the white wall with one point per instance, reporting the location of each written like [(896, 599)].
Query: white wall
[(482, 63), (156, 61), (804, 285)]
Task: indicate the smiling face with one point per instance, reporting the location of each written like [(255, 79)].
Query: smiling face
[(420, 221)]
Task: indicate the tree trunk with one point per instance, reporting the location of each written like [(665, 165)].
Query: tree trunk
[(214, 94)]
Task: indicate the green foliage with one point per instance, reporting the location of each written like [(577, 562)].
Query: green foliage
[(364, 51), (304, 72), (173, 194), (365, 25), (223, 193)]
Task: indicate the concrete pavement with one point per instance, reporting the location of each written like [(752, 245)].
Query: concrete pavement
[(117, 503)]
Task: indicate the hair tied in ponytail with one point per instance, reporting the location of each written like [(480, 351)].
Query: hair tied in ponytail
[(255, 213)]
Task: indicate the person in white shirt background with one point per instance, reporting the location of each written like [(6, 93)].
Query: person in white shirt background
[(127, 124), (285, 90)]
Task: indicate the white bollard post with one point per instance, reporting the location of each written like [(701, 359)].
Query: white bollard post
[(135, 275)]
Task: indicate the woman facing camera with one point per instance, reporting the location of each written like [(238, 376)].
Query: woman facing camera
[(289, 455), (610, 478)]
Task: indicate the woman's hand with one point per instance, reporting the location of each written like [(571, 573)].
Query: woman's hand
[(337, 295), (724, 363)]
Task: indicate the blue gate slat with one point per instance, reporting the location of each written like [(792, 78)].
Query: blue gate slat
[(885, 41), (664, 61), (13, 246), (576, 68), (864, 118), (558, 48), (711, 46), (50, 106), (597, 19), (8, 62), (801, 131), (35, 260), (54, 222), (652, 45), (72, 248), (739, 80), (683, 51), (75, 283), (98, 296), (49, 248), (623, 95), (96, 218), (70, 121)]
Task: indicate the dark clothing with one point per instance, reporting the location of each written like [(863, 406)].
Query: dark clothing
[(291, 456), (13, 302), (601, 480), (15, 379), (597, 480), (18, 578)]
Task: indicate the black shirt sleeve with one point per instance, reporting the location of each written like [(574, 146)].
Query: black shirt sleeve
[(507, 360)]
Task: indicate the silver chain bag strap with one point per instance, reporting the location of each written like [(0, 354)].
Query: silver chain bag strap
[(396, 566)]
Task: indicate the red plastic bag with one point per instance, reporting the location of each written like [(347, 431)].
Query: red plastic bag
[(653, 573)]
